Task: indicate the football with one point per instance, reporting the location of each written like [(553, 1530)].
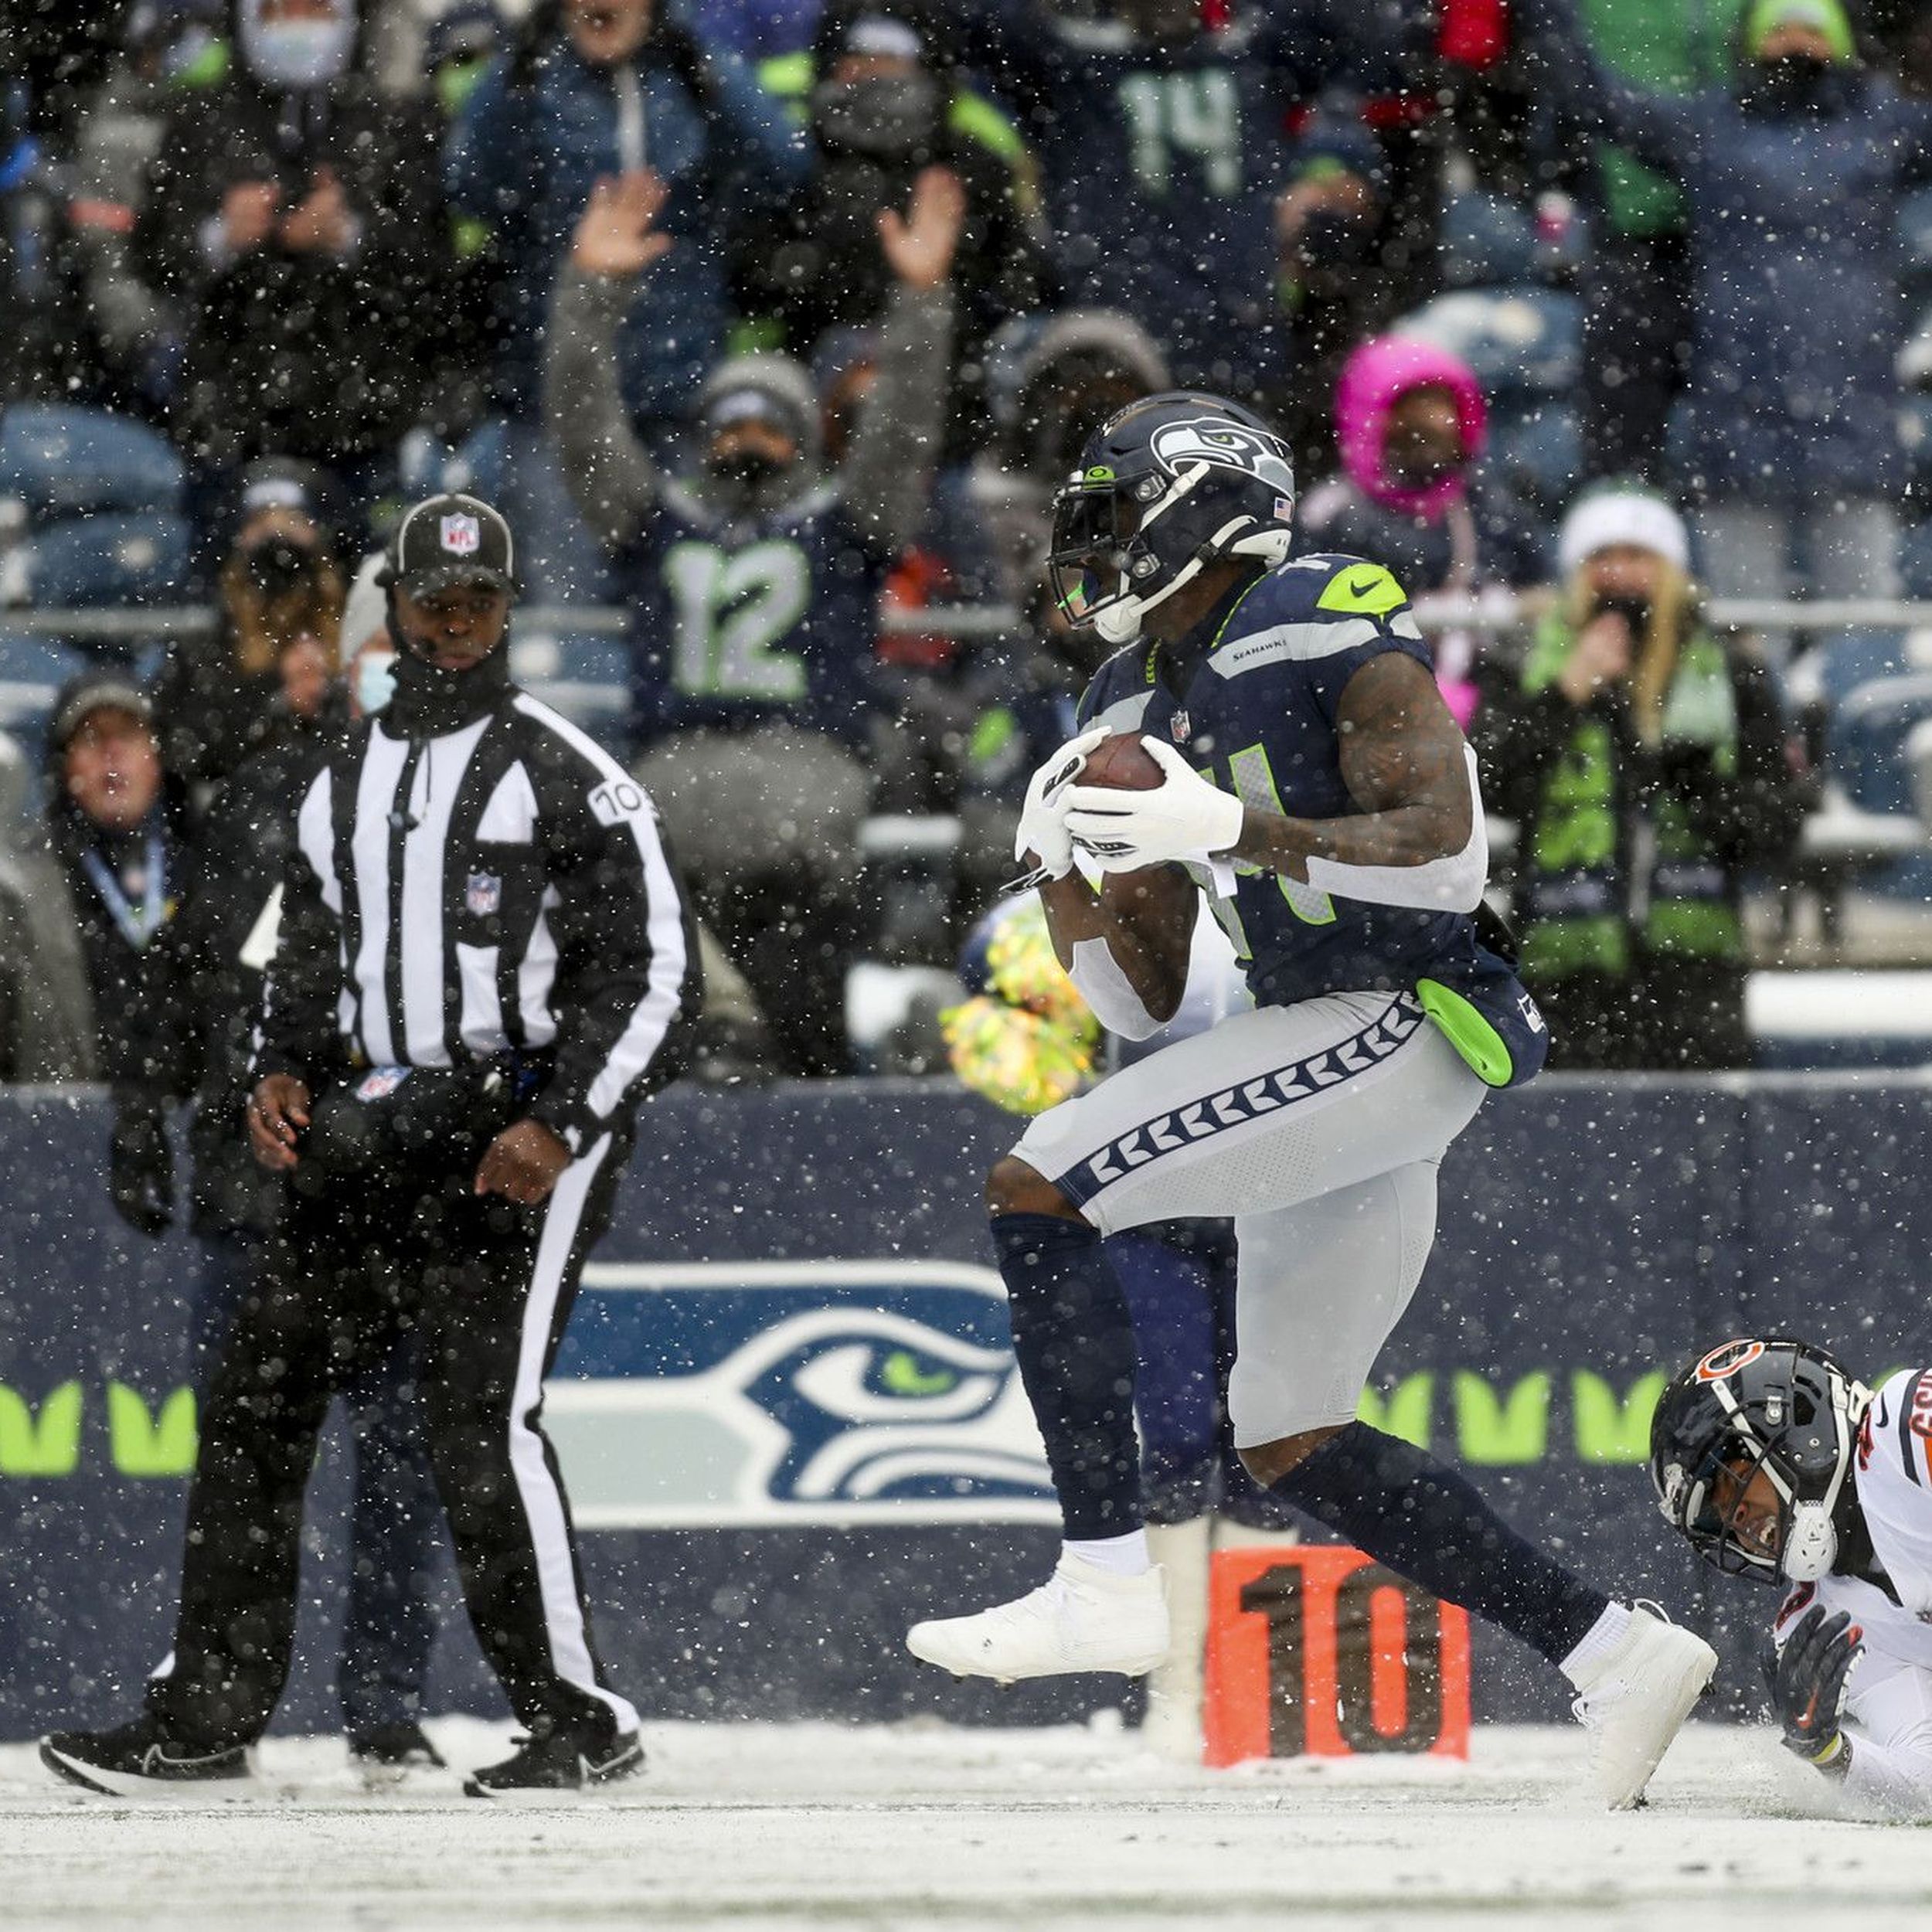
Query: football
[(1121, 763)]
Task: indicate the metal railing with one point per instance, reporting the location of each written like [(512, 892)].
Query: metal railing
[(1487, 615), (1841, 832)]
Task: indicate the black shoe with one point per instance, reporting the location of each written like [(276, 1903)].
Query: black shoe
[(141, 1759), (561, 1762), (380, 1750)]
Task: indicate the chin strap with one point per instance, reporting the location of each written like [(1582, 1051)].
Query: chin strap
[(1241, 536), (1811, 1541)]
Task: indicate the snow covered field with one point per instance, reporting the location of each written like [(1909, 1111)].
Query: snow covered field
[(768, 1827)]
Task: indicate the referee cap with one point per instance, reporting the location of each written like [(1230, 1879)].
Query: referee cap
[(450, 539)]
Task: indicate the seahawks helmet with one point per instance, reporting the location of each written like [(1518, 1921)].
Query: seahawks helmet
[(1772, 1404), (1170, 485)]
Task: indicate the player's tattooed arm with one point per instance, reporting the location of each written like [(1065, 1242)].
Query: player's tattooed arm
[(1405, 764)]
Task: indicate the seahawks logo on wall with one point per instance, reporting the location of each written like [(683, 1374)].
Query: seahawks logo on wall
[(838, 1392), (1224, 445)]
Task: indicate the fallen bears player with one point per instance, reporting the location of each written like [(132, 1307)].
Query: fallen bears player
[(1313, 782), (1777, 1464)]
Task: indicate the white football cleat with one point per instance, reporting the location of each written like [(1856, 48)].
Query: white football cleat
[(1634, 1699), (1081, 1618)]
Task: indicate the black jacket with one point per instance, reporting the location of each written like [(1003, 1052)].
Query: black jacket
[(300, 353)]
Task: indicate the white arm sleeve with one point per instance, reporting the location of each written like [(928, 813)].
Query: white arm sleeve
[(1097, 976), (1888, 1719), (1450, 885)]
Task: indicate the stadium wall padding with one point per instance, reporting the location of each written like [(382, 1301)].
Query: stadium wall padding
[(790, 1421)]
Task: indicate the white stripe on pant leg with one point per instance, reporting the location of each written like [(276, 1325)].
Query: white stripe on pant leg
[(543, 1504), (1267, 1108)]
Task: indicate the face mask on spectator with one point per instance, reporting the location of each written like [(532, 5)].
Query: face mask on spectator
[(746, 471), (888, 117), (296, 54), (374, 682), (1330, 238), (277, 565), (1790, 82)]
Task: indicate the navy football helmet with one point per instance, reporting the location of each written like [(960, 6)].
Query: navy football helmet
[(1170, 485), (1772, 1403)]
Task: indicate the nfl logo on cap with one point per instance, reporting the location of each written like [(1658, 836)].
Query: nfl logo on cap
[(462, 535)]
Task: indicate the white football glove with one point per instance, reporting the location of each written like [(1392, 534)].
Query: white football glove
[(1042, 831), (1184, 817)]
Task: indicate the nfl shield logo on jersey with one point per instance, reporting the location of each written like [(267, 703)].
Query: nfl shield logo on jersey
[(483, 894), (379, 1083), (462, 535), (1182, 727)]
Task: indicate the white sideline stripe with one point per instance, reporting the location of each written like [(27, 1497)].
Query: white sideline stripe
[(543, 1504)]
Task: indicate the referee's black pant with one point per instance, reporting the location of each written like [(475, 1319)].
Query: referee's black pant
[(487, 1286)]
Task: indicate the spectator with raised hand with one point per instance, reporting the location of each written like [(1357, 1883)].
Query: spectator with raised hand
[(594, 90), (294, 223), (1642, 756), (883, 101), (753, 583), (1790, 177)]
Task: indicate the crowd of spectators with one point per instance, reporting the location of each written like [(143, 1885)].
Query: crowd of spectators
[(760, 319)]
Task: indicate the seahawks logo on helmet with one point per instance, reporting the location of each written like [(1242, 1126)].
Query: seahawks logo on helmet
[(1213, 440)]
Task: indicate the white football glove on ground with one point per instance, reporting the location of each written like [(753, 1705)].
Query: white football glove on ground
[(1043, 828), (1184, 817)]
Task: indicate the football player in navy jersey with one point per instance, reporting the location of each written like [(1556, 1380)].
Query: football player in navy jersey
[(1315, 788), (1776, 1463), (753, 578)]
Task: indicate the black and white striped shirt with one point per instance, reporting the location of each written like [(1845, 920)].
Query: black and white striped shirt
[(499, 885)]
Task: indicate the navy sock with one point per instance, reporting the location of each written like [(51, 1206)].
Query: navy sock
[(1075, 1342), (1417, 1517)]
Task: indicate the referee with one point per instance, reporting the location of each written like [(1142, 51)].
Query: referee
[(484, 960)]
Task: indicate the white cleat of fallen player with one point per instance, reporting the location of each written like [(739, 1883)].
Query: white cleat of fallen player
[(1082, 1618), (1634, 1699)]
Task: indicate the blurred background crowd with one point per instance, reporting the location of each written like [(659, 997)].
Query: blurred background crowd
[(772, 325)]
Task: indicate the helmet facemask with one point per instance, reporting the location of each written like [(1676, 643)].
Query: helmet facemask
[(1732, 1418), (1107, 542)]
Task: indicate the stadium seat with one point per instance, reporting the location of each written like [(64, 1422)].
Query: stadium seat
[(113, 559), (1915, 437), (32, 670), (1486, 241), (1915, 558), (64, 462), (1519, 342), (1848, 659), (1915, 238), (1538, 450), (1868, 742)]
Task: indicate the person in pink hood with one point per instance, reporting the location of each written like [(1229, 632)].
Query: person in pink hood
[(1410, 422)]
